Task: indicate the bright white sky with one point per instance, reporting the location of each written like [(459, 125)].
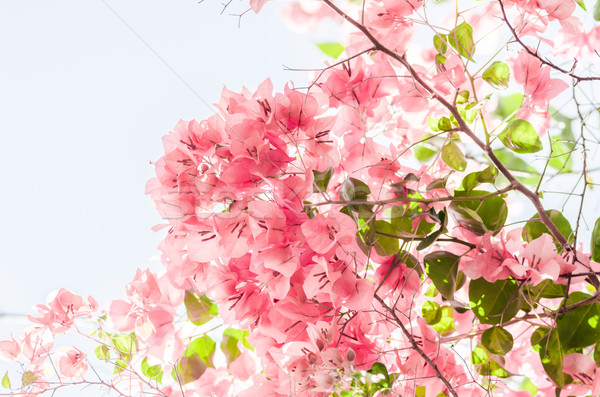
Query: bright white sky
[(84, 103)]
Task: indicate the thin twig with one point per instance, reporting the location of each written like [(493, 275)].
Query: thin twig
[(539, 58), (416, 347)]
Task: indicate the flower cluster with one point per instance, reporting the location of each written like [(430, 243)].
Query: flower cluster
[(344, 237)]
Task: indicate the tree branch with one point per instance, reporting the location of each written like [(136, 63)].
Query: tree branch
[(533, 197), (416, 347), (539, 58)]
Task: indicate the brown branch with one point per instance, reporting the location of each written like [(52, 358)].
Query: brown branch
[(533, 197), (418, 200), (539, 58), (416, 347)]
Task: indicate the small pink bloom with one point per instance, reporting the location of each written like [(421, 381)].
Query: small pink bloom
[(72, 364), (323, 233), (62, 309), (256, 5), (243, 366), (9, 350)]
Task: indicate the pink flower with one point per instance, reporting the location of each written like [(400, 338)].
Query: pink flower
[(256, 5), (36, 343), (62, 308), (72, 364), (543, 261), (558, 9), (539, 88), (149, 309), (583, 369), (9, 350), (324, 233)]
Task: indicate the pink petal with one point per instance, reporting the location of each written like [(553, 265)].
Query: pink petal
[(575, 364)]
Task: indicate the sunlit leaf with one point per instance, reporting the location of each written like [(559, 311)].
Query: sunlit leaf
[(453, 156), (497, 340), (461, 38), (520, 137), (534, 228), (497, 75), (595, 242), (494, 303), (479, 216), (442, 269), (6, 381), (579, 327), (439, 42), (199, 308), (332, 50), (321, 179)]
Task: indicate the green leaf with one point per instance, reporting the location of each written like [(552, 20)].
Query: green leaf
[(561, 159), (479, 216), (508, 105), (453, 156), (385, 245), (548, 345), (597, 11), (120, 366), (379, 379), (431, 312), (6, 381), (427, 241), (597, 354), (462, 97), (534, 228), (332, 50), (497, 75), (229, 343), (473, 179), (513, 162), (402, 220), (438, 183), (461, 38), (125, 344), (440, 60), (595, 243), (520, 137), (494, 303), (442, 269), (444, 124), (204, 347), (153, 372), (200, 309), (439, 42), (433, 123), (546, 289), (102, 352), (485, 365), (497, 340), (579, 327), (469, 115), (195, 359), (240, 335), (354, 190), (581, 4), (321, 179), (446, 323)]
